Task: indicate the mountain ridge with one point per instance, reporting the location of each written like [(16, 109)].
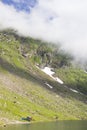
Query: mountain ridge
[(23, 88)]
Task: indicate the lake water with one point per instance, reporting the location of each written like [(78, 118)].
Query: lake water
[(59, 125)]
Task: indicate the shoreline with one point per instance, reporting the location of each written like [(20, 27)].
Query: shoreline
[(4, 124)]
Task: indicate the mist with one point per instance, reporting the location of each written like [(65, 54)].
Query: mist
[(57, 21)]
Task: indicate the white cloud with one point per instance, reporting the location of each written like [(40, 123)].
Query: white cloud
[(62, 21)]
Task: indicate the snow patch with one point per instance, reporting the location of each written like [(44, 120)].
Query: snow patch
[(49, 85), (49, 72), (59, 80), (73, 90)]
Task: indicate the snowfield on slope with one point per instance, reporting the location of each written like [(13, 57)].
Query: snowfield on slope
[(49, 72)]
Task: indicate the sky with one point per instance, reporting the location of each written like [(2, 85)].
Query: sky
[(23, 5), (59, 21)]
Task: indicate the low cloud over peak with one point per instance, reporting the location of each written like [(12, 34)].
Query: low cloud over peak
[(58, 21)]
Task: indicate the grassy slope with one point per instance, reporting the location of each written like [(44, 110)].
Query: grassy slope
[(23, 92), (74, 78)]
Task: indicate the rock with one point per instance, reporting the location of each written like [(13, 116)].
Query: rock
[(14, 102), (4, 125), (28, 118)]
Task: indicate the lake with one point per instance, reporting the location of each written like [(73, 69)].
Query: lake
[(59, 125)]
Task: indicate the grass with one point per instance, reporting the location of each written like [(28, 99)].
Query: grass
[(34, 100), (74, 77)]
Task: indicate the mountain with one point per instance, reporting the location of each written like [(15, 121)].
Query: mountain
[(27, 90)]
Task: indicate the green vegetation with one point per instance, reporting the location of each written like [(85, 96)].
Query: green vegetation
[(74, 78), (23, 91)]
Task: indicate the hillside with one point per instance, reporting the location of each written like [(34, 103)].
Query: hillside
[(23, 86)]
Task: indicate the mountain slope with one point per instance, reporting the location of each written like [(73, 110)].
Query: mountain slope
[(23, 89)]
